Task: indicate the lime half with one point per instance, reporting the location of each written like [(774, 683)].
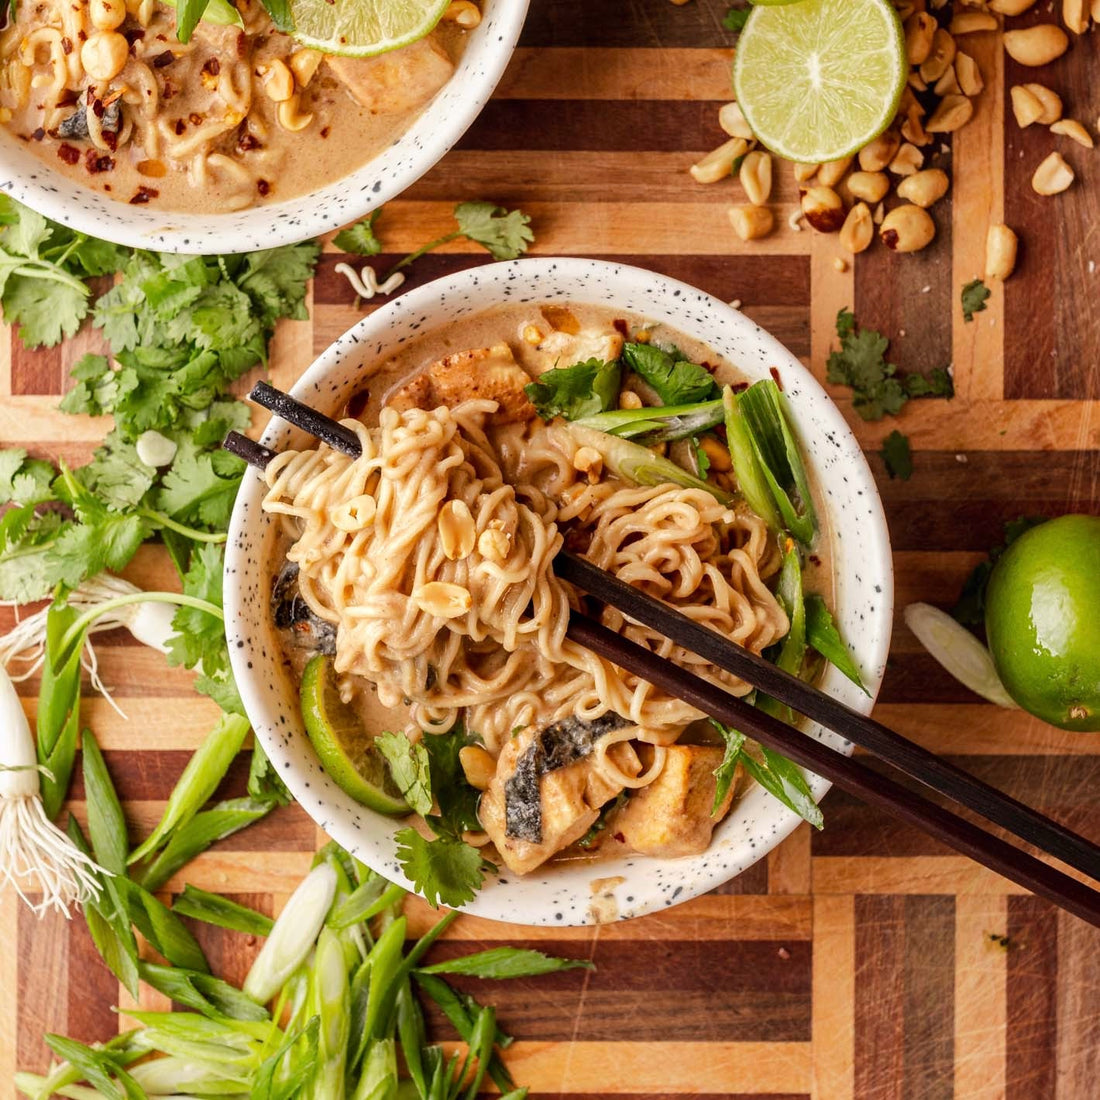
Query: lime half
[(818, 80), (362, 28), (346, 749)]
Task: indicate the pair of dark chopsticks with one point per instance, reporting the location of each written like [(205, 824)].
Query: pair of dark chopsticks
[(873, 787)]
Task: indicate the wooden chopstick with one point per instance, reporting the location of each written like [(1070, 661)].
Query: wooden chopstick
[(873, 787), (908, 757), (848, 773)]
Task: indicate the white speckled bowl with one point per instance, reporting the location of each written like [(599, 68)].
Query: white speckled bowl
[(34, 183), (861, 551)]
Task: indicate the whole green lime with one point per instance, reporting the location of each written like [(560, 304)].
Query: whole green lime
[(1042, 620)]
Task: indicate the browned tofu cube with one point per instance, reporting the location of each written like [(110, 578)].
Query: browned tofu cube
[(490, 374), (671, 817), (394, 82)]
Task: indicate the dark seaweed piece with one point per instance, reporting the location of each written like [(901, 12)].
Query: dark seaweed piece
[(76, 125), (293, 614), (556, 746)]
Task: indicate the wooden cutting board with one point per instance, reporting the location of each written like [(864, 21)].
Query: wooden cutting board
[(855, 964)]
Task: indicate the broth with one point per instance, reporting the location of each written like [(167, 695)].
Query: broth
[(234, 118)]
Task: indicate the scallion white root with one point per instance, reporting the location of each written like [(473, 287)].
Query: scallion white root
[(35, 855), (150, 622)]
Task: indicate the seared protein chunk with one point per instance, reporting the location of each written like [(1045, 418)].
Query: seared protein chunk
[(401, 80), (491, 374), (671, 817), (568, 343), (546, 793)]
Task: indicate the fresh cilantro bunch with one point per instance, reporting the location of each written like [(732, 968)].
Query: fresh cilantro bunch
[(878, 388), (44, 268), (504, 233), (429, 774), (181, 330)]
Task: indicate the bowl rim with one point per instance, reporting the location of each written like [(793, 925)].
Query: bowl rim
[(438, 127), (503, 283)]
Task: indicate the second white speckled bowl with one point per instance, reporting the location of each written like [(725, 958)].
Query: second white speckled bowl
[(613, 888), (35, 184)]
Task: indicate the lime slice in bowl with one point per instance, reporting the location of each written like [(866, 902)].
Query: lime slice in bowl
[(346, 749), (363, 28), (818, 80)]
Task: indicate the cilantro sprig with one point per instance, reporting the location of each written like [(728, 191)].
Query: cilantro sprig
[(878, 389), (504, 233), (181, 330)]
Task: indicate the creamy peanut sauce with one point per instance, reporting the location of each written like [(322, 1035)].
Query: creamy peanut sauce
[(235, 118)]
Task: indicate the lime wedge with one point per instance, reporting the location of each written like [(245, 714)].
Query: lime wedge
[(818, 80), (362, 28), (346, 749)]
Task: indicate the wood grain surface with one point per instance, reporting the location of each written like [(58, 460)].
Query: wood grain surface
[(856, 964)]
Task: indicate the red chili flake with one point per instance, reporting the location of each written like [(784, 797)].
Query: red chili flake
[(110, 139), (739, 387), (165, 57), (82, 35), (620, 838), (196, 118), (169, 91), (162, 38), (133, 34), (97, 108), (242, 46), (246, 142), (106, 187), (68, 98), (815, 559), (212, 67), (774, 371), (622, 328), (263, 187), (325, 131), (143, 195), (96, 162), (180, 126), (38, 135), (68, 153), (67, 46)]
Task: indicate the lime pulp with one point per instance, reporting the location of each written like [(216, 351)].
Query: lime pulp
[(345, 748)]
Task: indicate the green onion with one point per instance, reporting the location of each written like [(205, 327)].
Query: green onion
[(293, 934), (365, 902), (823, 636), (783, 779), (764, 411), (106, 824), (329, 1000), (215, 909), (204, 771), (746, 467), (640, 465), (657, 424), (505, 962), (58, 720), (203, 992), (192, 837)]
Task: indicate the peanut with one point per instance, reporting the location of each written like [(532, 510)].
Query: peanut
[(1001, 245), (907, 229), (1035, 46)]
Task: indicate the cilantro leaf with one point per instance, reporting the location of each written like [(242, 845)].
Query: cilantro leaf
[(937, 383), (897, 456), (583, 389), (505, 233), (359, 238), (861, 364), (45, 311), (87, 548), (676, 381), (276, 280), (410, 769), (735, 19), (24, 480), (974, 296), (445, 870), (26, 542), (200, 486), (116, 475), (199, 636), (456, 798)]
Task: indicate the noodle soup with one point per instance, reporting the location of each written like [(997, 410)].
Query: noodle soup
[(423, 572), (101, 91)]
